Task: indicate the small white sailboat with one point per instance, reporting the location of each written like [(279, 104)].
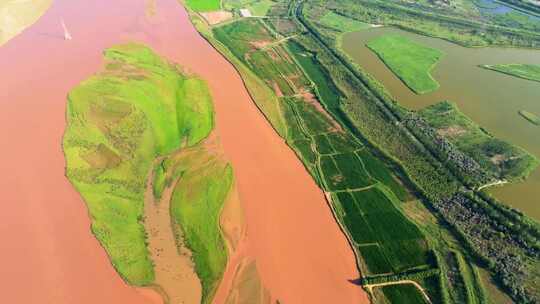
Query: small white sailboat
[(67, 35)]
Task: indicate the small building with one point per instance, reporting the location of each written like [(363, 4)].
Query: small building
[(244, 12)]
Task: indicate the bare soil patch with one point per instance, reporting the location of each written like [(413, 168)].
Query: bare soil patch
[(173, 266), (452, 131), (216, 17)]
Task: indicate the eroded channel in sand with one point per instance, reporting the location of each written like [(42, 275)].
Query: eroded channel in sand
[(175, 277)]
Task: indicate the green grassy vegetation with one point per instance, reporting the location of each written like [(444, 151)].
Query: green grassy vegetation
[(260, 8), (119, 121), (378, 171), (402, 293), (531, 117), (525, 71), (372, 114), (461, 24), (387, 241), (159, 182), (342, 23), (402, 242), (256, 47), (410, 61), (503, 159), (330, 152), (432, 288), (325, 88), (233, 42), (204, 5), (344, 171), (196, 206)]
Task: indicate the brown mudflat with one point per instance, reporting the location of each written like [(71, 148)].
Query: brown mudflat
[(50, 256), (174, 269)]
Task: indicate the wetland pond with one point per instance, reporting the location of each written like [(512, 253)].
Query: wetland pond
[(489, 98)]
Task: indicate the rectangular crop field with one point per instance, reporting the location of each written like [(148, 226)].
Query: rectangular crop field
[(403, 294), (243, 36), (344, 171), (410, 61), (323, 145), (343, 142), (204, 5), (380, 172), (375, 259), (303, 147), (401, 240), (314, 121)]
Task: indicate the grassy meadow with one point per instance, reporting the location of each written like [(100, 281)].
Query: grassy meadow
[(525, 71), (342, 23), (410, 61), (119, 121)]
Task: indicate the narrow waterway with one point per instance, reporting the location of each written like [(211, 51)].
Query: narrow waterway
[(51, 256), (489, 98)]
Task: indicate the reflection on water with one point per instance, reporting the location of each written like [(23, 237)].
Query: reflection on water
[(16, 15), (491, 99), (494, 7)]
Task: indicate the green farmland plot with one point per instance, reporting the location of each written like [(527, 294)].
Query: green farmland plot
[(387, 241), (402, 241), (354, 221), (204, 5), (375, 259), (410, 61), (252, 43), (314, 70), (344, 171), (403, 294), (243, 36), (323, 145), (314, 121), (380, 172), (343, 142)]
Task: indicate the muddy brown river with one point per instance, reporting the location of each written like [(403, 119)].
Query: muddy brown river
[(49, 254), (489, 98)]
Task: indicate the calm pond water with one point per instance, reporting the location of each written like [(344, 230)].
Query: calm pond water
[(489, 98)]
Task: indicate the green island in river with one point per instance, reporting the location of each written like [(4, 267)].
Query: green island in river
[(143, 115), (410, 61), (531, 117), (525, 71)]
